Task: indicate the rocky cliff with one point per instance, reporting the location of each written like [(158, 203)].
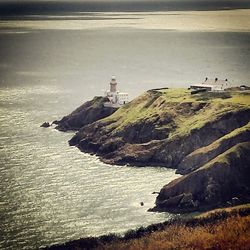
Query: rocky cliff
[(222, 181), (87, 113), (172, 128), (163, 127)]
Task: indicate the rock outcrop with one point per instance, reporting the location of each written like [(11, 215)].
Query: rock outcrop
[(87, 113), (217, 183), (203, 155), (45, 125)]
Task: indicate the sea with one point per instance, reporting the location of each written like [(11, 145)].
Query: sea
[(52, 193)]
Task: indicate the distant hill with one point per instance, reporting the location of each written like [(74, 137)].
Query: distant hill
[(22, 8)]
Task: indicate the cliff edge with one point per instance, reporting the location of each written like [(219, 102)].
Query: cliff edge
[(87, 113)]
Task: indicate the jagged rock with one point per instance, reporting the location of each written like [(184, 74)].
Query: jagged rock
[(235, 201), (45, 125), (198, 158), (213, 185), (87, 113), (171, 202), (55, 122), (187, 201)]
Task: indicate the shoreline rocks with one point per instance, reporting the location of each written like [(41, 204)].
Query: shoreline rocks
[(45, 125)]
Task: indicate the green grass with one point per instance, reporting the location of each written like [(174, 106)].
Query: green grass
[(236, 151), (177, 95), (172, 102)]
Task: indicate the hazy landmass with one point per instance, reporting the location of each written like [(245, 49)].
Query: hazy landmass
[(217, 21), (20, 8)]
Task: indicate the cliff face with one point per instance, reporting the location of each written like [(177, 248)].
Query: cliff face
[(216, 183), (203, 155), (172, 128), (87, 113)]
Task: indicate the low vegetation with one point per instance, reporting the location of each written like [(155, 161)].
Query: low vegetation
[(219, 229), (185, 110)]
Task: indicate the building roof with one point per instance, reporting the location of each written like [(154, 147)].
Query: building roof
[(215, 81), (203, 85)]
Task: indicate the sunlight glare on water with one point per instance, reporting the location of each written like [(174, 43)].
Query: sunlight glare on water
[(52, 193)]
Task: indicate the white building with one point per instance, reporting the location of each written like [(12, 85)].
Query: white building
[(212, 85), (116, 98)]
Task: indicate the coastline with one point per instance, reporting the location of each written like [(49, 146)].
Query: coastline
[(204, 136)]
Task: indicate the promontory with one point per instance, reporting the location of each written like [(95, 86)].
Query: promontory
[(204, 136)]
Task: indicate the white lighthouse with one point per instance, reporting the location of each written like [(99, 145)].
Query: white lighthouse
[(113, 85), (116, 98)]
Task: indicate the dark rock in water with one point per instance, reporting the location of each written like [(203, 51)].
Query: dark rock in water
[(45, 125), (55, 122), (87, 113), (235, 201)]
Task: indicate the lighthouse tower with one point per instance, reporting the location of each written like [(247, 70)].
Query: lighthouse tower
[(115, 98), (113, 84)]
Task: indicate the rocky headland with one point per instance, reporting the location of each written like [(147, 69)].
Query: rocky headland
[(205, 137), (87, 113)]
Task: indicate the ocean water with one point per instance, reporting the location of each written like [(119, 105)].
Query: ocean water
[(52, 193)]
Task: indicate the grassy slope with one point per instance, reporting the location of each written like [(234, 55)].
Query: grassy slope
[(221, 229), (155, 118), (227, 228), (169, 101)]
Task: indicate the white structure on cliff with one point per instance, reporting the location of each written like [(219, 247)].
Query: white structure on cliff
[(211, 85), (116, 98)]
